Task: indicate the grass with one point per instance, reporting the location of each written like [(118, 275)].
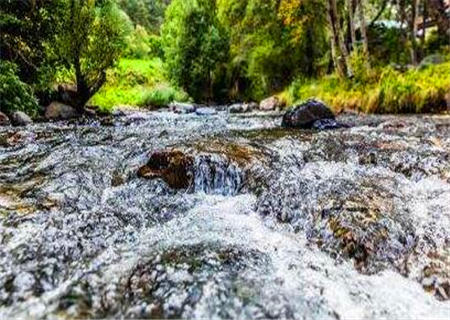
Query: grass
[(385, 90), (137, 82)]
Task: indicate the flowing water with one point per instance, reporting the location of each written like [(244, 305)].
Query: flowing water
[(345, 224)]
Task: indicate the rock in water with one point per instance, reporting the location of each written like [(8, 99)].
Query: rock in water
[(310, 114), (4, 120), (182, 108), (20, 118), (173, 166), (237, 108), (60, 111), (242, 107), (270, 104), (206, 111)]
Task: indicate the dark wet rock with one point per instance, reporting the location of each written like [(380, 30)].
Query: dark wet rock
[(237, 108), (4, 120), (173, 166), (182, 108), (202, 170), (206, 111), (19, 118), (60, 111), (310, 114), (270, 104)]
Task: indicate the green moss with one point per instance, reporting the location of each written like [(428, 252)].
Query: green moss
[(383, 91), (137, 82)]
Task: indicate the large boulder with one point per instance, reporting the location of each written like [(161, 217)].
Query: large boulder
[(270, 104), (60, 111), (4, 120), (173, 166), (310, 114), (19, 118)]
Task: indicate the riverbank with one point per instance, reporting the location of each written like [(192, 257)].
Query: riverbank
[(424, 89)]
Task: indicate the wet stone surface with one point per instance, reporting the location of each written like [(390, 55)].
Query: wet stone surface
[(269, 222)]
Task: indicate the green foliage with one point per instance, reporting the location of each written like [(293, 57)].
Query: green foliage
[(388, 91), (138, 44), (142, 45), (388, 45), (15, 95), (161, 96), (27, 29), (195, 46), (134, 82), (271, 42), (146, 13)]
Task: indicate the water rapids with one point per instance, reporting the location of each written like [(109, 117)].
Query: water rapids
[(345, 224)]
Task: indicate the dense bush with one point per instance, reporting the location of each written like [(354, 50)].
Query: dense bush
[(15, 94), (28, 28), (146, 13)]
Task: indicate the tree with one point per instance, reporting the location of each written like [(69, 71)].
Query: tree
[(90, 40), (27, 28), (195, 46)]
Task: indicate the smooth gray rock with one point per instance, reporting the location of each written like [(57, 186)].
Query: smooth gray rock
[(19, 118), (60, 111)]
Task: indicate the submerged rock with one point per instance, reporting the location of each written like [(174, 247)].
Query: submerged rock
[(173, 166), (4, 120), (20, 118), (206, 111), (60, 111), (310, 114)]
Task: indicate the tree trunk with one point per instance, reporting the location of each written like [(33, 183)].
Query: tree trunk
[(424, 25), (363, 26), (413, 32), (339, 50), (351, 15)]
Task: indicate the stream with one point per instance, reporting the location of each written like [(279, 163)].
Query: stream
[(352, 223)]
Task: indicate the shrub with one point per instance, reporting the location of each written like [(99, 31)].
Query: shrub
[(15, 94), (162, 96)]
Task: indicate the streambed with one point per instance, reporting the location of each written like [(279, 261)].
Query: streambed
[(277, 223)]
